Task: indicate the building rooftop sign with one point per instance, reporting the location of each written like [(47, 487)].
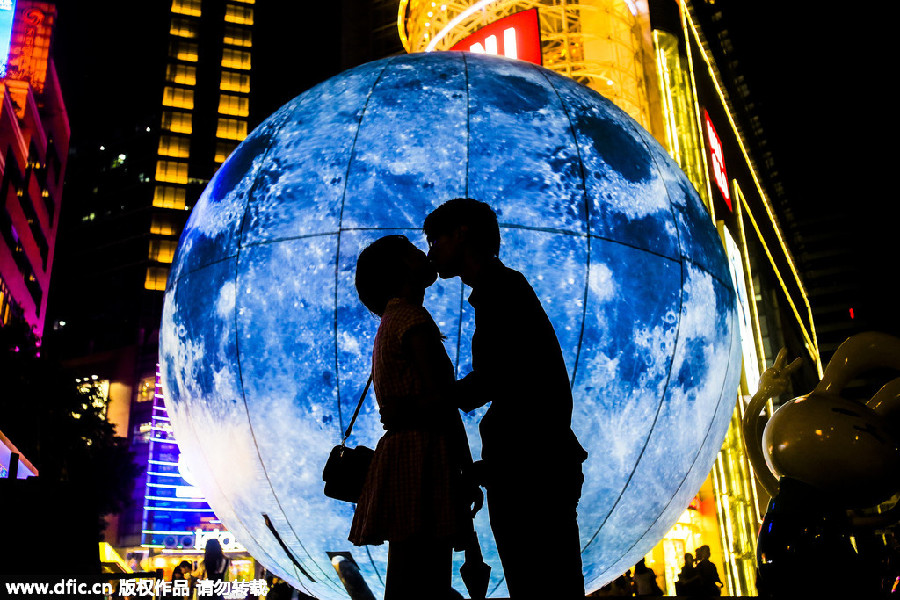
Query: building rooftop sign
[(717, 159), (516, 36), (7, 10), (29, 45)]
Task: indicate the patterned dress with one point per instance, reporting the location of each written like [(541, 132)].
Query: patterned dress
[(413, 488)]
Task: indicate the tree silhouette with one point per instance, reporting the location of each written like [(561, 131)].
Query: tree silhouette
[(60, 428)]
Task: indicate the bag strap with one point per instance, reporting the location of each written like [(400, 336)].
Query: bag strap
[(356, 412)]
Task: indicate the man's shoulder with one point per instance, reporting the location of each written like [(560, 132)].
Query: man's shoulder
[(504, 278), (504, 288)]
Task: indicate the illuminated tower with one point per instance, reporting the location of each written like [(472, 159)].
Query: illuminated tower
[(34, 140)]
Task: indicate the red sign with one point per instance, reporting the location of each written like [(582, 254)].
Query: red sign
[(516, 36), (29, 49), (717, 159)]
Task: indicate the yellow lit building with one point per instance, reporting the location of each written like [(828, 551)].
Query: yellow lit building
[(654, 60), (178, 169)]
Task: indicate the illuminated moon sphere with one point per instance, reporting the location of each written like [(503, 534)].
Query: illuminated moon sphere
[(265, 347)]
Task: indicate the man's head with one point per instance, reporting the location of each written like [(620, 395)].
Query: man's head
[(459, 230)]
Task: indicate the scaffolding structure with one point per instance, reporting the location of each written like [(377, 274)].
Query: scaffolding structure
[(603, 44)]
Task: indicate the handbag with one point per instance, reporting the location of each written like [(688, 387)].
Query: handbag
[(346, 468)]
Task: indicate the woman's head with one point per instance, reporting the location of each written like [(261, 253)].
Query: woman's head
[(390, 267), (213, 553)]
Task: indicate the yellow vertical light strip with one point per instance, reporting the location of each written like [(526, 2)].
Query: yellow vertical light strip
[(686, 18), (678, 112), (736, 510), (722, 514), (699, 121), (810, 347), (751, 484), (751, 291), (667, 97)]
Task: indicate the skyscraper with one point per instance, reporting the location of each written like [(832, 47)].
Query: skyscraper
[(34, 140)]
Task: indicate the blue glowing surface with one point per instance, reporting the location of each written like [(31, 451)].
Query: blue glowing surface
[(265, 347)]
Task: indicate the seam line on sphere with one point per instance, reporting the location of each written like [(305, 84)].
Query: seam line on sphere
[(468, 121), (587, 224), (716, 278), (462, 288), (663, 395), (669, 374), (239, 234), (237, 518), (502, 226), (337, 252), (697, 455)]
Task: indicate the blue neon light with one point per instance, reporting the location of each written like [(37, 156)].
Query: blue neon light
[(166, 508)]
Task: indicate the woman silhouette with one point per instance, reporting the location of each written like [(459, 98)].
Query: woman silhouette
[(214, 565), (414, 493)]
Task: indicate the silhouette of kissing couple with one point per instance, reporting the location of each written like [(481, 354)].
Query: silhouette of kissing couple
[(422, 485)]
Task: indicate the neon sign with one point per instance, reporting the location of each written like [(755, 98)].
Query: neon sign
[(7, 10), (718, 160), (516, 36), (175, 510), (29, 51)]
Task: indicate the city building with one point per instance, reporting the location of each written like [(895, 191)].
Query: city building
[(667, 63), (34, 141), (133, 181)]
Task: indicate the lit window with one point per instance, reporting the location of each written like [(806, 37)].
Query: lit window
[(146, 389), (240, 15), (156, 278), (176, 122), (187, 7), (178, 97), (223, 150), (171, 171), (183, 28), (174, 145), (168, 196), (238, 106), (4, 305), (237, 36), (235, 59), (163, 225), (183, 50), (231, 129), (183, 74), (163, 251), (246, 1), (235, 82)]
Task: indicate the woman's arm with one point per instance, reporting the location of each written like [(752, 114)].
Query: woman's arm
[(422, 343)]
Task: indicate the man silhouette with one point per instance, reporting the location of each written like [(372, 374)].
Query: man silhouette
[(531, 459)]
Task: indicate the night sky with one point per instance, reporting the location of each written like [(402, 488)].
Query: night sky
[(818, 79)]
